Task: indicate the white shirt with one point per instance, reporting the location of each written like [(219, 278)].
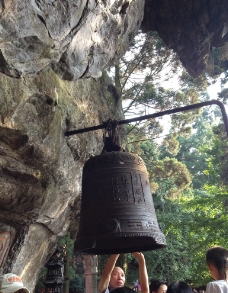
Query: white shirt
[(220, 286)]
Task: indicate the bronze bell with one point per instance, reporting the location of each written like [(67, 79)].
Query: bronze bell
[(117, 210)]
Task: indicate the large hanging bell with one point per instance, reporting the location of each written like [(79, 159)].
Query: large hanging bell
[(117, 210)]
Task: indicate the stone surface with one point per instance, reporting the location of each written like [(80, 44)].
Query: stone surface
[(191, 28), (78, 39), (40, 167)]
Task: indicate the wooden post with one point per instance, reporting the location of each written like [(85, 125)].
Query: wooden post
[(90, 265), (66, 273)]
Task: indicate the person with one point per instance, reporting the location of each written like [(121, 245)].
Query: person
[(136, 285), (123, 290), (179, 287), (217, 263), (139, 287), (158, 286), (10, 283), (113, 277)]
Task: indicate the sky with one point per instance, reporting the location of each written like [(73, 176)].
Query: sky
[(172, 83)]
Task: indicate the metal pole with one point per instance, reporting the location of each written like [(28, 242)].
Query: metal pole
[(155, 115)]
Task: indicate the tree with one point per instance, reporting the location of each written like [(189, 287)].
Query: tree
[(173, 262), (207, 227), (171, 176), (218, 161), (76, 285), (140, 74), (191, 148)]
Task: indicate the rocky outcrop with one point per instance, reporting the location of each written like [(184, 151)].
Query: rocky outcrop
[(191, 28), (41, 168), (78, 39)]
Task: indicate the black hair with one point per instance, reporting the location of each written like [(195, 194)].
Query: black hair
[(218, 256), (123, 290), (155, 284), (179, 287)]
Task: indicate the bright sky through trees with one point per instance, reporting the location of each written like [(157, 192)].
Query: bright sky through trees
[(171, 83)]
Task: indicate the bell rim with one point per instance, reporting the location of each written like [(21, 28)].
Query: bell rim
[(102, 246)]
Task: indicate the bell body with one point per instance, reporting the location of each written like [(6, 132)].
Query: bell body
[(117, 210)]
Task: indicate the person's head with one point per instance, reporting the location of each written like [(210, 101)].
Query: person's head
[(179, 287), (217, 262), (117, 278), (10, 283), (158, 286), (122, 290)]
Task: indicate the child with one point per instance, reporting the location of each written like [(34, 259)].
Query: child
[(179, 287), (217, 262), (158, 286), (10, 283)]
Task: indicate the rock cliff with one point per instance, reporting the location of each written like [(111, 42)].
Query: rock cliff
[(41, 168), (78, 39), (190, 28)]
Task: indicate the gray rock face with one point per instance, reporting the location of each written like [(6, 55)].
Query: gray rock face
[(40, 167), (191, 28), (77, 39)]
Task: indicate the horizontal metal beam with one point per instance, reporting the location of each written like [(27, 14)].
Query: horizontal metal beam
[(158, 114)]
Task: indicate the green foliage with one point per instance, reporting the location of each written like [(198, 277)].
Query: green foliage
[(207, 227), (191, 225), (137, 135), (218, 161), (139, 77), (76, 285), (173, 174), (149, 152), (191, 151), (173, 262)]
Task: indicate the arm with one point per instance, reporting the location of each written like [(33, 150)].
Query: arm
[(143, 276), (106, 274)]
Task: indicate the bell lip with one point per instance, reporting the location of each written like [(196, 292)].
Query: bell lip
[(94, 251), (117, 245)]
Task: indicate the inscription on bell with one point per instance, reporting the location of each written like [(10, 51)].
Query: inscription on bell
[(128, 187), (142, 225), (115, 189), (138, 189), (127, 194)]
